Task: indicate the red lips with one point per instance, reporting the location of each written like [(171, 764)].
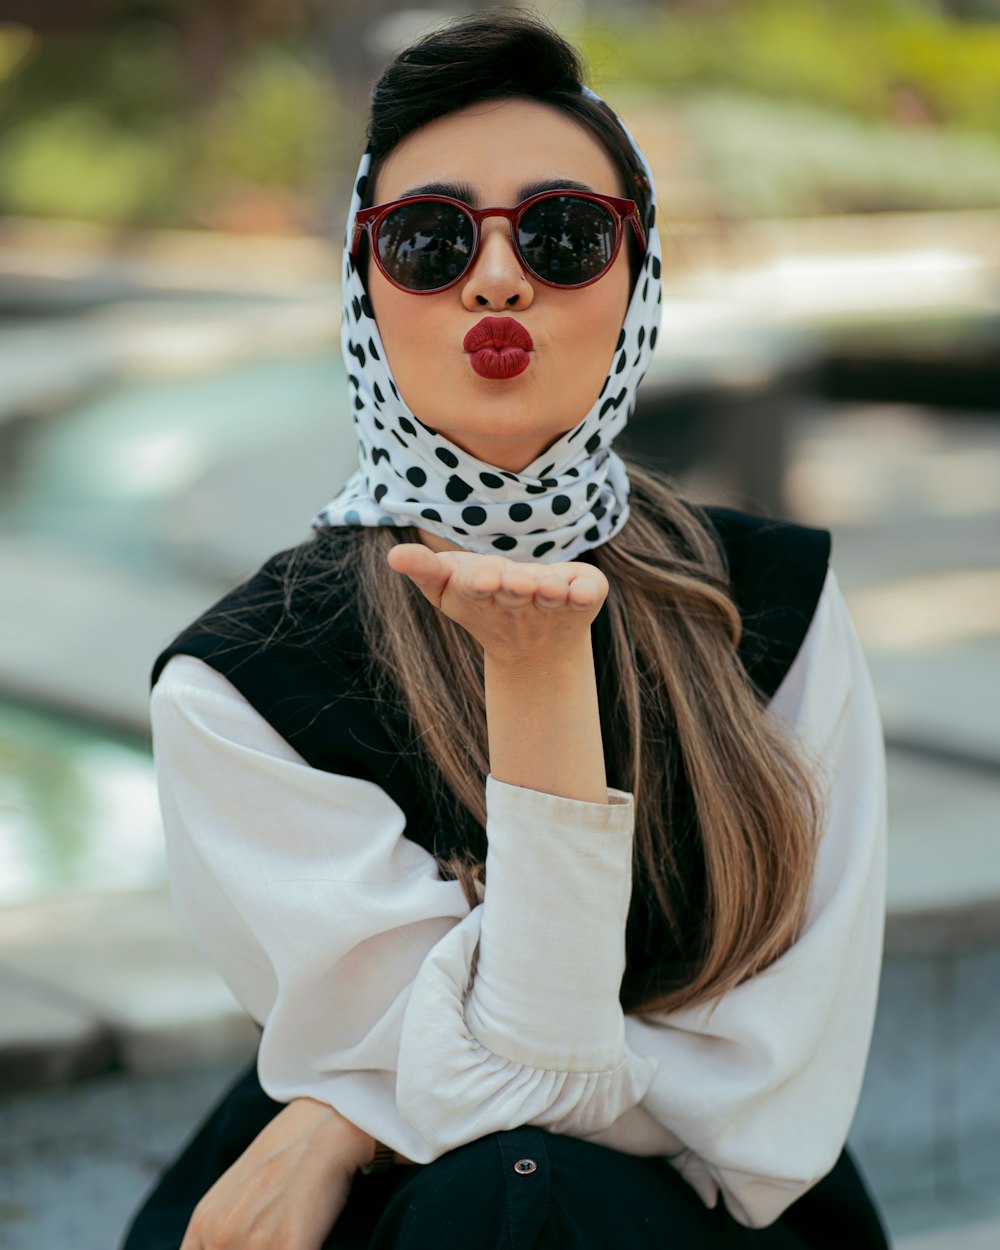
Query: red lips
[(498, 347)]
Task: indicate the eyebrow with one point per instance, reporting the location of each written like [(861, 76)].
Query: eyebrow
[(466, 192)]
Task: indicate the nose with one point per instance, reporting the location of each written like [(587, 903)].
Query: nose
[(497, 278)]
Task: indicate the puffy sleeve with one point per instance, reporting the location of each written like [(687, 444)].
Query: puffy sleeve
[(755, 1092), (379, 991)]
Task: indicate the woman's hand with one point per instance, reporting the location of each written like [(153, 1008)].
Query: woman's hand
[(287, 1188), (533, 621), (516, 611)]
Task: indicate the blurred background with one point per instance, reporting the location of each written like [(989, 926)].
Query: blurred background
[(174, 180)]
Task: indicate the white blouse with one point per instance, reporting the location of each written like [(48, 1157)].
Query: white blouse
[(430, 1024)]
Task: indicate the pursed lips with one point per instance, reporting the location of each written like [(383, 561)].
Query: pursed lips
[(498, 333)]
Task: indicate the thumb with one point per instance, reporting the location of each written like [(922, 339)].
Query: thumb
[(422, 567)]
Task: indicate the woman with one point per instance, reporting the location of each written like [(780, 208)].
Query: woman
[(534, 813)]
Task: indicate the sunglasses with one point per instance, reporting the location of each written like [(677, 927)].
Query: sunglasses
[(566, 239)]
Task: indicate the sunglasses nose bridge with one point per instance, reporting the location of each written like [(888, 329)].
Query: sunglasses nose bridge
[(505, 216)]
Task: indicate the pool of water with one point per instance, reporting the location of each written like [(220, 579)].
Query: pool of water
[(78, 809), (193, 475)]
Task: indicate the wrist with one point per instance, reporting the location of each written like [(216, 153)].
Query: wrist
[(352, 1144), (548, 660)]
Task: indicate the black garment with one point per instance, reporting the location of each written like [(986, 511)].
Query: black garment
[(581, 1196)]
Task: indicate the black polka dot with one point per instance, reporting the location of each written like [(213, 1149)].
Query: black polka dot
[(457, 489), (645, 289), (417, 476), (491, 480), (353, 380), (392, 387), (378, 424), (591, 490), (359, 403), (656, 267), (360, 185), (446, 457), (474, 515), (621, 340), (550, 482), (458, 529), (541, 549), (520, 511), (561, 504), (356, 307), (572, 472), (399, 439), (431, 514), (505, 542), (373, 350), (641, 337), (534, 489), (652, 337), (366, 307), (378, 454), (608, 403), (378, 394), (511, 477), (593, 443), (379, 492), (407, 425), (622, 359), (599, 510), (546, 471), (593, 534)]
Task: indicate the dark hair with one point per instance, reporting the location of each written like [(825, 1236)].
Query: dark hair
[(494, 54)]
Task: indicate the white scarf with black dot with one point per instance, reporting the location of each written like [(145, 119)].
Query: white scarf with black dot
[(572, 498)]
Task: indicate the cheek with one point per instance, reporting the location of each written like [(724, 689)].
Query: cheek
[(599, 321), (404, 335)]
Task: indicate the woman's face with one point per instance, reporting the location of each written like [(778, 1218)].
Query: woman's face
[(498, 148)]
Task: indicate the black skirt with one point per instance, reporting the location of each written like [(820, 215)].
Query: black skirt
[(525, 1189)]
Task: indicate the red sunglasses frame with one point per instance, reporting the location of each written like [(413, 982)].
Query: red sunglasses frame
[(369, 220)]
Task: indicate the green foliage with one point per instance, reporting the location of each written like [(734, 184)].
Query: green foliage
[(850, 55), (75, 162), (115, 129), (274, 122), (793, 105)]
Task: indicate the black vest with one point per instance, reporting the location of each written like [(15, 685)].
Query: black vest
[(310, 686)]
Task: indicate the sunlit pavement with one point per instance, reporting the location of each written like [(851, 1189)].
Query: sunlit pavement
[(912, 497)]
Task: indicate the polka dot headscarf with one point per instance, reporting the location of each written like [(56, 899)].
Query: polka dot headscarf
[(572, 498)]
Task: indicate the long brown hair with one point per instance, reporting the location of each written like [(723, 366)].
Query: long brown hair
[(691, 740)]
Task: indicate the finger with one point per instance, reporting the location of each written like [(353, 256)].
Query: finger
[(518, 587), (552, 591), (422, 567), (477, 579), (584, 592)]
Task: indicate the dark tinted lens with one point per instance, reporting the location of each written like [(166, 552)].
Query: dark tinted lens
[(424, 246), (566, 239)]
